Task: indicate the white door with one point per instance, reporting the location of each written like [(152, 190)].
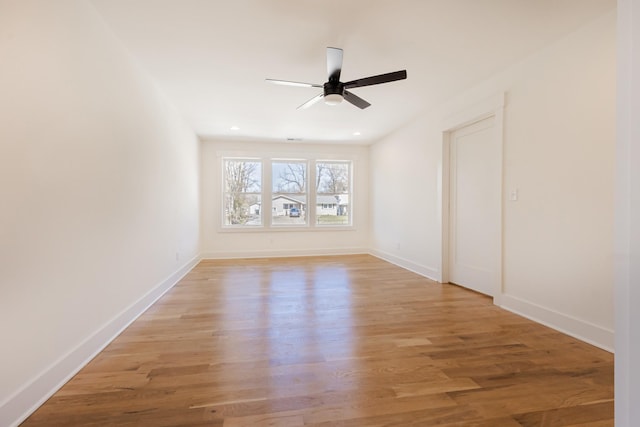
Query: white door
[(474, 206)]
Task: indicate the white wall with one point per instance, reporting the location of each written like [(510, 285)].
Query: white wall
[(219, 243), (99, 195), (558, 152), (627, 219), (404, 197)]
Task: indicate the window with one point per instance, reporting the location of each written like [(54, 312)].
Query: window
[(262, 193), (333, 193), (289, 192), (242, 192)]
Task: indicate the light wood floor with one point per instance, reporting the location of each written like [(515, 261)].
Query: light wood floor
[(333, 341)]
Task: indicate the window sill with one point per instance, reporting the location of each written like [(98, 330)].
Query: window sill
[(285, 228)]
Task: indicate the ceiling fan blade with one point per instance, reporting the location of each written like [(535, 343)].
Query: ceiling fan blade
[(312, 101), (376, 80), (288, 83), (355, 100), (334, 63)]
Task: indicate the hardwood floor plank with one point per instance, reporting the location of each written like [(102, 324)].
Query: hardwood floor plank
[(563, 417), (333, 341)]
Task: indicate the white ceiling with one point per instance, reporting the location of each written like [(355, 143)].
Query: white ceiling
[(211, 57)]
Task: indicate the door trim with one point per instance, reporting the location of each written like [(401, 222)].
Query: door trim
[(493, 106)]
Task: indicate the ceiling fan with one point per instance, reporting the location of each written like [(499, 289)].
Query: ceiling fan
[(335, 90)]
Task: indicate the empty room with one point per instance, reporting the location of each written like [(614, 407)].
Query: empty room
[(297, 213)]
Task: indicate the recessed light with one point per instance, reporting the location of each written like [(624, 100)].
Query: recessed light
[(357, 134), (235, 128)]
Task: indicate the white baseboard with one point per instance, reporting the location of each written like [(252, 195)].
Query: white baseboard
[(282, 253), (428, 272), (15, 409), (577, 328)]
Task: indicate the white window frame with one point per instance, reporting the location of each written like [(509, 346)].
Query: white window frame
[(267, 193)]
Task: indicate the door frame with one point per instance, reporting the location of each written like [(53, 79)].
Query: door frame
[(493, 106)]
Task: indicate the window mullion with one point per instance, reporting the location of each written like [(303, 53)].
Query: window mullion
[(267, 193), (311, 193)]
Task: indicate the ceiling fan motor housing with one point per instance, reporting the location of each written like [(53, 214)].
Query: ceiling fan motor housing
[(333, 88)]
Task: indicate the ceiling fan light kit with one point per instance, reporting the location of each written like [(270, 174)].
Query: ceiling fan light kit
[(334, 91), (333, 99)]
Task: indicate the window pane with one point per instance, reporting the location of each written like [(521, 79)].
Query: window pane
[(242, 209), (289, 197), (242, 198), (288, 210), (333, 188), (333, 178), (289, 177), (243, 176)]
